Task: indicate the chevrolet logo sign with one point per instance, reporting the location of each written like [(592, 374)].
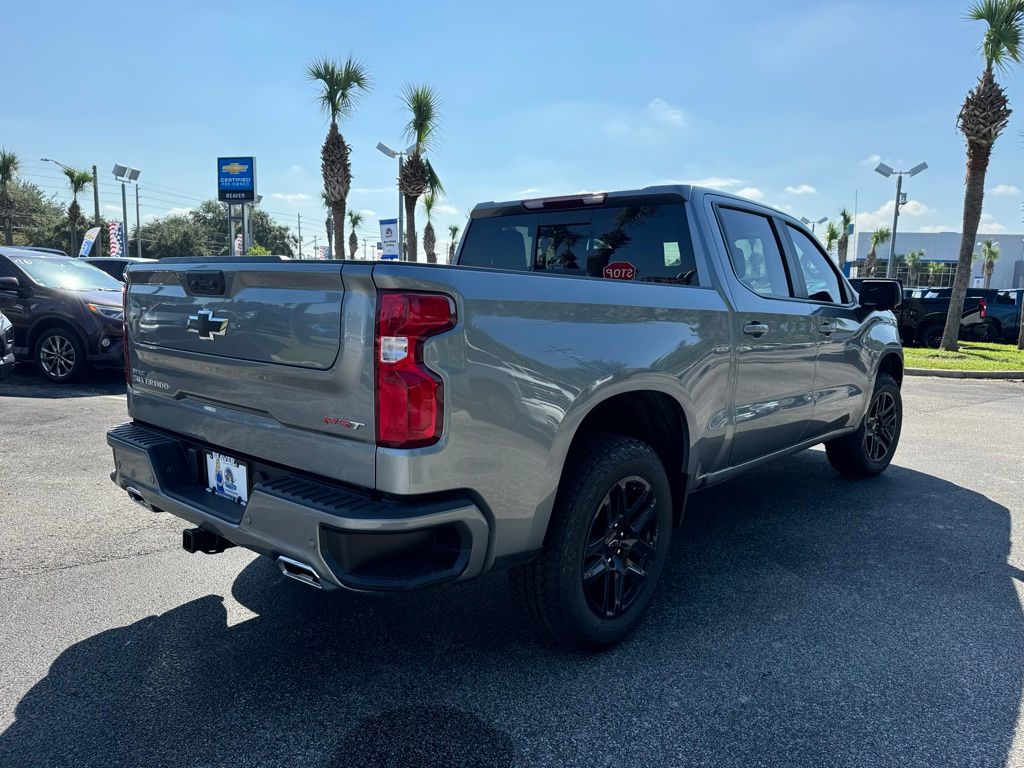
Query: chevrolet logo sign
[(234, 168), (206, 325)]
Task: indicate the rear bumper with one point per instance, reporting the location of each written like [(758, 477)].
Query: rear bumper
[(349, 539)]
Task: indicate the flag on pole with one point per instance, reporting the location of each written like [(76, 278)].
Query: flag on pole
[(88, 240), (116, 238), (238, 245)]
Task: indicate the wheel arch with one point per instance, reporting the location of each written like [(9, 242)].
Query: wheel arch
[(891, 363), (44, 324)]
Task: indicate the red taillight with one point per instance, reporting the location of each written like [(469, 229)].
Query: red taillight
[(124, 330), (983, 306), (410, 397)]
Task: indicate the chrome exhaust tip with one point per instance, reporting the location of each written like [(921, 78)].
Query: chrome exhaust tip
[(293, 569)]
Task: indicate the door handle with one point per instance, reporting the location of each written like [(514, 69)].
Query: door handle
[(828, 328), (755, 329)]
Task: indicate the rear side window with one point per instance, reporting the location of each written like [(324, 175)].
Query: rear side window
[(646, 242), (755, 253), (822, 281)]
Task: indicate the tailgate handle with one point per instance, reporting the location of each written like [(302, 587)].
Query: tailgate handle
[(205, 282)]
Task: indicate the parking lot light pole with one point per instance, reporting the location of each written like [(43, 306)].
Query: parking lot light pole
[(392, 153), (901, 199), (813, 224), (125, 174)]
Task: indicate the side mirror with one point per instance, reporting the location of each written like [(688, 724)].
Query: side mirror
[(11, 285), (880, 295)]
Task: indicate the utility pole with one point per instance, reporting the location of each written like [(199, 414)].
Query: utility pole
[(300, 234), (364, 249), (138, 225), (96, 209), (316, 247)]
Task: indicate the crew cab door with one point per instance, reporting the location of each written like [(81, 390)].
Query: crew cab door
[(775, 337), (841, 379)]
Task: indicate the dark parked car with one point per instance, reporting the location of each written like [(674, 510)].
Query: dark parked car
[(922, 316), (66, 313), (6, 347), (116, 265)]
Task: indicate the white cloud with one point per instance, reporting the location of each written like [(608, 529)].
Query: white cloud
[(936, 228), (112, 208), (290, 197), (178, 212), (800, 189), (446, 208), (871, 160), (752, 192), (989, 225), (296, 168), (368, 214), (783, 207), (872, 220), (374, 190), (527, 191), (667, 113), (1005, 190)]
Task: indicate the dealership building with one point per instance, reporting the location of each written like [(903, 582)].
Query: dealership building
[(944, 248)]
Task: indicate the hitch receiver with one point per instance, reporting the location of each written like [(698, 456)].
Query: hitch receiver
[(200, 540)]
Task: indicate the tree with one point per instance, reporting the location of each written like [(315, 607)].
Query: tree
[(212, 217), (417, 175), (832, 236), (453, 232), (845, 220), (878, 238), (914, 261), (341, 86), (935, 270), (355, 218), (983, 116), (8, 170), (259, 250), (429, 237), (180, 235), (989, 255), (77, 181), (328, 224)]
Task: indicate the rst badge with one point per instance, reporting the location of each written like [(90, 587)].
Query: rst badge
[(334, 421)]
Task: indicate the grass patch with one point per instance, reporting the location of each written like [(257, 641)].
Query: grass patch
[(972, 356)]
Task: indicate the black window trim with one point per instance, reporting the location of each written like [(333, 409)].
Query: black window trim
[(773, 222), (845, 287)]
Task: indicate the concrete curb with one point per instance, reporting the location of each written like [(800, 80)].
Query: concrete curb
[(943, 374)]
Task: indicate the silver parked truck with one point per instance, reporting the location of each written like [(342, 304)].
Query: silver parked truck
[(546, 404)]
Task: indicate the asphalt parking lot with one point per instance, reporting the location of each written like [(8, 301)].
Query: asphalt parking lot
[(803, 620)]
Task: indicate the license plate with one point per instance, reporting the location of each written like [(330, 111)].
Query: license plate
[(227, 477)]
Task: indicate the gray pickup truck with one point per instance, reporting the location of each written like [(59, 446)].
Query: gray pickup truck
[(546, 404)]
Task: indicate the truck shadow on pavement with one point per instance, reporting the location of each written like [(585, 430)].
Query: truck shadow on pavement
[(803, 620)]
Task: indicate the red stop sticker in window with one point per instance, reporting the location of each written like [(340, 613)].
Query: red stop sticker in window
[(619, 270)]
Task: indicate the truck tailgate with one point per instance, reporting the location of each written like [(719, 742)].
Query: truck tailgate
[(262, 358)]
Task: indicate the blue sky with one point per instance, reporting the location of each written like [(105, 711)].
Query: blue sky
[(791, 103)]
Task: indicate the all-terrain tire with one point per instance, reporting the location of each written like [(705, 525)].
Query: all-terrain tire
[(868, 451)]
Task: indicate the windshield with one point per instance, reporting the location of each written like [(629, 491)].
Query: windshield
[(68, 273)]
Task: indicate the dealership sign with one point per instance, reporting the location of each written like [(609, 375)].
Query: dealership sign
[(389, 239), (236, 179)]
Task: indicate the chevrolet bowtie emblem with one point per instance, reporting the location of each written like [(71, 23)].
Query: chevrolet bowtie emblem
[(206, 325)]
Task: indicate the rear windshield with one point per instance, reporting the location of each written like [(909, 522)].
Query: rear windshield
[(65, 272), (647, 242)]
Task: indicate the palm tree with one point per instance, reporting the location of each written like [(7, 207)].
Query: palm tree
[(989, 255), (983, 116), (935, 270), (8, 170), (453, 232), (879, 237), (429, 238), (845, 220), (417, 175), (355, 219), (914, 261), (328, 223), (340, 85), (832, 236), (77, 181)]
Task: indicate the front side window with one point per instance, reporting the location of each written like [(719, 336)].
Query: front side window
[(643, 242), (822, 281), (755, 253)]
